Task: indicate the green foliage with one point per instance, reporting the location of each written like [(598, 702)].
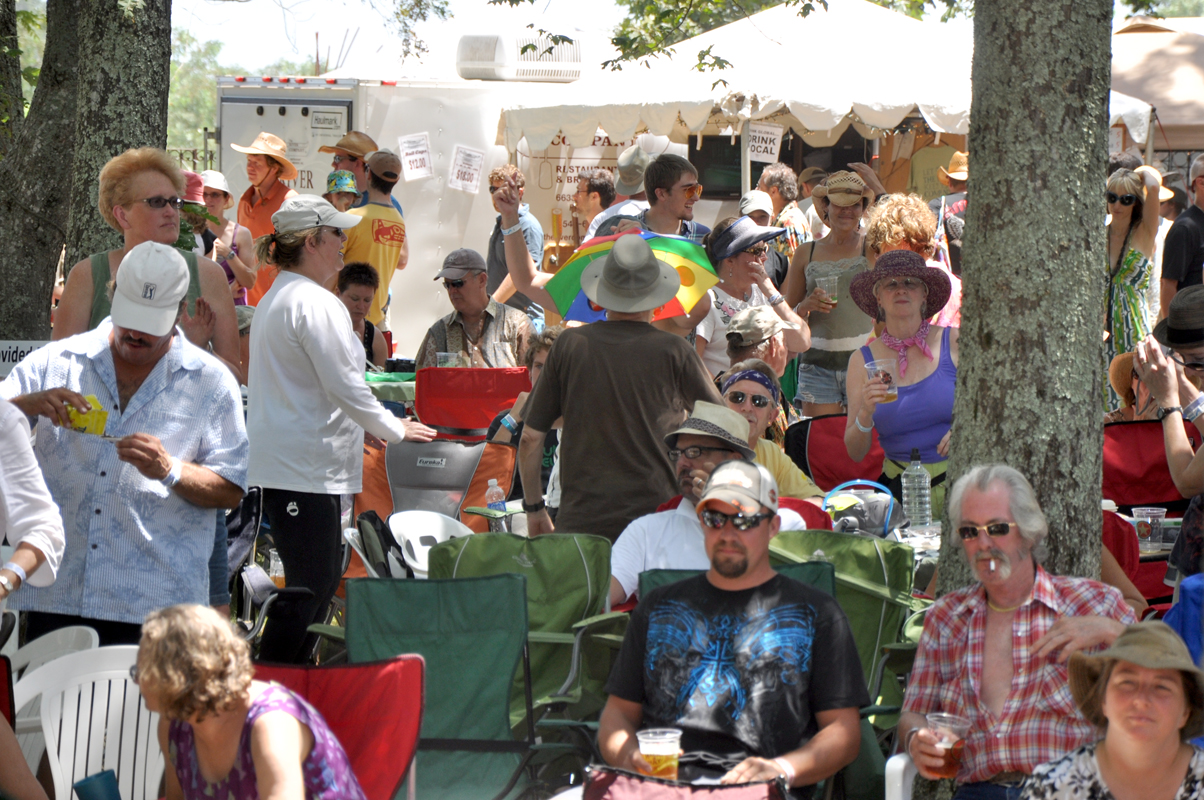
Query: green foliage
[(31, 40), (192, 104), (405, 14), (286, 67), (1182, 8)]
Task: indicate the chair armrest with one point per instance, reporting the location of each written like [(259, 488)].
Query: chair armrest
[(550, 637), (901, 773), (489, 513), (329, 631), (585, 623)]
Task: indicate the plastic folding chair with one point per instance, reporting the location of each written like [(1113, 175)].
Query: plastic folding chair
[(816, 445), (374, 710), (43, 650), (93, 719), (1135, 468), (901, 775), (416, 532)]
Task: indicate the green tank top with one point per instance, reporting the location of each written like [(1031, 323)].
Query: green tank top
[(102, 305)]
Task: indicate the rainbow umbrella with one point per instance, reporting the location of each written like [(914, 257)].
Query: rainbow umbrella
[(690, 261)]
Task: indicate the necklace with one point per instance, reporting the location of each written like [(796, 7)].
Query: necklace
[(994, 607)]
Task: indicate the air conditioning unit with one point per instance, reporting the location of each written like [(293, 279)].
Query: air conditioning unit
[(501, 58)]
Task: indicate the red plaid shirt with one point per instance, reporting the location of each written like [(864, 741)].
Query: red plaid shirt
[(1040, 721)]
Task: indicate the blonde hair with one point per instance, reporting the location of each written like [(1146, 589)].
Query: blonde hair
[(194, 660), (1127, 181), (119, 172), (283, 250), (902, 219)]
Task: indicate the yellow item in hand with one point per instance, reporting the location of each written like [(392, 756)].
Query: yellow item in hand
[(93, 421)]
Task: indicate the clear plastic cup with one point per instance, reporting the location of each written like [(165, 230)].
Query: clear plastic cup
[(952, 731), (660, 748), (1149, 528), (888, 370), (831, 285)]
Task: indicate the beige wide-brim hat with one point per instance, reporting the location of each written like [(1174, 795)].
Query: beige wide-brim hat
[(719, 422), (959, 169), (629, 170), (1152, 644), (355, 143), (630, 278), (843, 189), (272, 146)]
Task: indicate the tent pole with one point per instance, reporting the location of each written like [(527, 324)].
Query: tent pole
[(745, 162), (1149, 139)]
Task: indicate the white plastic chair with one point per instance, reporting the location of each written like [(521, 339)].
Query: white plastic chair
[(95, 714), (901, 773), (416, 532), (352, 537), (25, 660)]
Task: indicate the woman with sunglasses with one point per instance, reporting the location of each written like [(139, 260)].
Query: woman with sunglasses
[(737, 248), (1131, 235), (903, 292)]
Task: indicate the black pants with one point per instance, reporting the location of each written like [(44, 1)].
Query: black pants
[(305, 528), (40, 623)]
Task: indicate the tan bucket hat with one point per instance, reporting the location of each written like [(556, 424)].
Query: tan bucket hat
[(959, 169), (720, 422), (272, 146), (629, 170), (630, 278), (844, 189)]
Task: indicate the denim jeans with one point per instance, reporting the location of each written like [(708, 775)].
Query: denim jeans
[(985, 790)]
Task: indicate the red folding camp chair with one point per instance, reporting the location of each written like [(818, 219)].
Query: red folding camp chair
[(461, 403), (1135, 470), (1121, 540), (6, 691), (816, 445), (374, 709)]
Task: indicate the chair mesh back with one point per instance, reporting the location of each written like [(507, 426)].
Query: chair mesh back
[(431, 476)]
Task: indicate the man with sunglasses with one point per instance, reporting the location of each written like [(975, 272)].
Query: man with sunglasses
[(671, 183), (760, 672), (995, 652), (673, 538), (1183, 258)]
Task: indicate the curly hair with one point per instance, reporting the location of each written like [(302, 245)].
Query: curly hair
[(358, 273), (783, 177), (118, 173), (500, 174), (283, 250), (600, 181), (902, 219), (195, 661), (542, 341)]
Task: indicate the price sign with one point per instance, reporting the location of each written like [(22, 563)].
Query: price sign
[(466, 169), (416, 160)]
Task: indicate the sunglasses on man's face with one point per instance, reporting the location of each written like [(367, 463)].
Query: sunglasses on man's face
[(1198, 366), (742, 522), (758, 400), (453, 284), (995, 529), (1123, 199), (692, 191)]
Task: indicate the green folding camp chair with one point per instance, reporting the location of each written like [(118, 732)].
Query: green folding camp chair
[(472, 634), (815, 574)]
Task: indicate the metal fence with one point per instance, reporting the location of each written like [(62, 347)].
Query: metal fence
[(193, 159)]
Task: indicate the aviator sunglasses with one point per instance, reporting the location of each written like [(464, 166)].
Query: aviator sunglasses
[(758, 400), (741, 522), (995, 529), (1123, 199), (457, 284)]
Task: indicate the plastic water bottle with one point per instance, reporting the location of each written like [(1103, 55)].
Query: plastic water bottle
[(495, 498), (917, 492)]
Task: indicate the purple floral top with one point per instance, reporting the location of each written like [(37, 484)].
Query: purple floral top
[(326, 771)]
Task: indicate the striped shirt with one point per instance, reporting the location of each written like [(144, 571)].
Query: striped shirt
[(1040, 721), (133, 545)]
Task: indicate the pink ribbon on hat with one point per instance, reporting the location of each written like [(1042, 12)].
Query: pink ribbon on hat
[(919, 339)]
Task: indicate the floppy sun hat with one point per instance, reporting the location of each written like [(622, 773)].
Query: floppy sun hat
[(900, 264), (273, 147), (720, 422), (630, 279)]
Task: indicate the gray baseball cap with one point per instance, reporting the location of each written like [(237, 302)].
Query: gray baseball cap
[(460, 263)]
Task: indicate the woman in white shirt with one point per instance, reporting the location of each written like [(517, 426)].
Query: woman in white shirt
[(309, 409), (29, 518)]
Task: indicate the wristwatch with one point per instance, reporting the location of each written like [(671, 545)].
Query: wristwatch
[(533, 508), (1163, 413), (7, 584)]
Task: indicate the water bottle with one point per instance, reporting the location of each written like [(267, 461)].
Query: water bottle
[(917, 492), (495, 498)]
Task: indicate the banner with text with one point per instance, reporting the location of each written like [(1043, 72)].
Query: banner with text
[(764, 141)]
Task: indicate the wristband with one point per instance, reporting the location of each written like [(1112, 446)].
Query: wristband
[(509, 423), (518, 226), (173, 475), (860, 427), (1194, 409), (534, 508), (787, 768), (15, 569), (777, 298)]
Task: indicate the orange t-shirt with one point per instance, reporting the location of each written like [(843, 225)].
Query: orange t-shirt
[(257, 218)]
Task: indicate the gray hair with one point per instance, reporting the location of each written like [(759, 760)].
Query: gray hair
[(1197, 169), (1022, 502), (783, 177)]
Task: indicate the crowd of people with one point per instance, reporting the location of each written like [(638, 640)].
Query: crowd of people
[(665, 436)]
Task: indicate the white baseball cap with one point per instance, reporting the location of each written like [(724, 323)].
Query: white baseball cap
[(212, 179), (311, 211), (151, 282)]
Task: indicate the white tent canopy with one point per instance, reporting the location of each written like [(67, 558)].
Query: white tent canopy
[(1134, 113), (855, 63)]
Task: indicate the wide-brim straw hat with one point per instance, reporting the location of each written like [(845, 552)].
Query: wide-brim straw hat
[(1120, 375), (900, 264), (1152, 644), (716, 421), (843, 189), (630, 279), (959, 169), (1184, 322), (354, 143), (267, 144)]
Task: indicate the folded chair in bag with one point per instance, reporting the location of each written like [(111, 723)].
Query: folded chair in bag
[(1135, 468), (461, 403), (373, 709), (816, 445)]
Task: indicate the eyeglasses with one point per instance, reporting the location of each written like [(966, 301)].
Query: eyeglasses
[(134, 673), (742, 522), (453, 284), (694, 190), (907, 283), (336, 231), (1123, 199), (758, 400), (214, 195), (158, 203), (758, 250), (995, 529), (696, 451), (1198, 366), (340, 159)]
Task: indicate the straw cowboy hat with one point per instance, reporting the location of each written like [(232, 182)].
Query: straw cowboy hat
[(273, 147), (1184, 323), (959, 169), (900, 264), (1153, 645), (631, 278), (355, 143), (844, 189), (1120, 375)]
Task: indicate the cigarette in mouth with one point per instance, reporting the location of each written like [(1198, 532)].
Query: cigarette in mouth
[(992, 565)]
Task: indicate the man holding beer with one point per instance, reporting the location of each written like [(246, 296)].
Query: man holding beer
[(757, 673), (992, 658)]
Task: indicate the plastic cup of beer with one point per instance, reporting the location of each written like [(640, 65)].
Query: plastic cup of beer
[(831, 285), (1149, 528), (888, 370), (952, 731), (276, 569), (660, 747)]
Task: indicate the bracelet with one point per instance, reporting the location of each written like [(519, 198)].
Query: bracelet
[(1163, 413), (787, 768), (860, 427), (15, 569), (1194, 409), (509, 423), (173, 475), (518, 226), (907, 739), (533, 508), (777, 298)]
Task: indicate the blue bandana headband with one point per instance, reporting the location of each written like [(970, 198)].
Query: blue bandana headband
[(751, 375)]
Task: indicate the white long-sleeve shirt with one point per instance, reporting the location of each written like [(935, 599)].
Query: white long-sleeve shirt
[(27, 512), (308, 403)]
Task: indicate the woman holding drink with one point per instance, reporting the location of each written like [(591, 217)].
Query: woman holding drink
[(902, 382), (1147, 696)]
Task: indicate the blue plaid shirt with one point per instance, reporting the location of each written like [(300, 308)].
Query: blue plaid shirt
[(133, 546)]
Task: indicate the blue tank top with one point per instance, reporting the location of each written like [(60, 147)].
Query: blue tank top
[(923, 413)]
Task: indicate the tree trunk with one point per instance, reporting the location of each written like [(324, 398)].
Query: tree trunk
[(124, 79), (35, 184), (12, 107)]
